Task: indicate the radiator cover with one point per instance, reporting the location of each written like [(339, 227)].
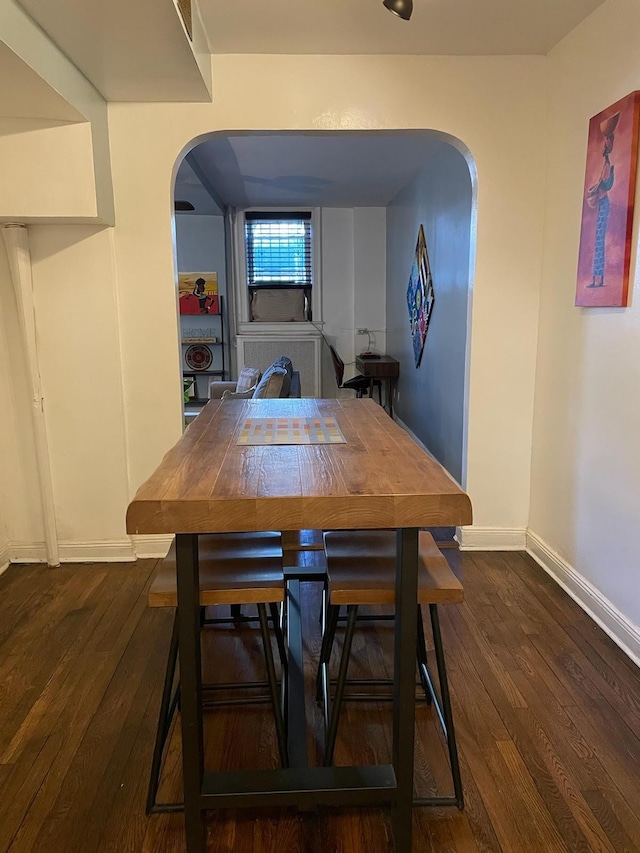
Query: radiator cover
[(304, 352)]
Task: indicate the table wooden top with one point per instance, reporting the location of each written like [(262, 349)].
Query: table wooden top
[(380, 478)]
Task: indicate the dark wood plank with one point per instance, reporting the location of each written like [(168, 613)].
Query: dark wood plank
[(543, 704)]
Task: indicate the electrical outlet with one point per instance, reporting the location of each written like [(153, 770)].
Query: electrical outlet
[(362, 331)]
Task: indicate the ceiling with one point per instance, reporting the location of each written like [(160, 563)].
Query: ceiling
[(190, 188), (454, 27), (340, 169), (137, 50), (130, 50)]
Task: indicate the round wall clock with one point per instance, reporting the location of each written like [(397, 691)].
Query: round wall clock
[(198, 357)]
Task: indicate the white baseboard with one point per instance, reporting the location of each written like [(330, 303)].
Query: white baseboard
[(5, 560), (99, 551), (622, 631), (475, 538), (152, 547), (110, 551)]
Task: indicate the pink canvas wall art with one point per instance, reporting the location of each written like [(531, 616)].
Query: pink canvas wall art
[(607, 207)]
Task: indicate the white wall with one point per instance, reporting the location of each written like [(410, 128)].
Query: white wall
[(585, 495), (370, 276), (20, 518), (466, 97), (353, 284), (122, 282), (79, 350), (431, 398)]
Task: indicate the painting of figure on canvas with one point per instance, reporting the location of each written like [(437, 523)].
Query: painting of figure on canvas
[(607, 207)]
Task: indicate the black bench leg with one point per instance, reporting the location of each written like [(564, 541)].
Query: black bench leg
[(336, 706), (167, 709), (446, 706), (273, 685)]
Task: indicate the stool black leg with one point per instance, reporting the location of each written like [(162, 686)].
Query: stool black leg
[(277, 630), (273, 685), (278, 624), (423, 666), (325, 652), (167, 709), (352, 611), (446, 706)]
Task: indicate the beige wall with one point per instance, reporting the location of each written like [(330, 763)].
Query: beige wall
[(585, 496), (20, 518), (106, 299), (79, 349), (496, 106)]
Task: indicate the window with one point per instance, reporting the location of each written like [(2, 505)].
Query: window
[(279, 255), (278, 249)]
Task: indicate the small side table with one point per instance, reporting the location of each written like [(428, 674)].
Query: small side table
[(386, 368)]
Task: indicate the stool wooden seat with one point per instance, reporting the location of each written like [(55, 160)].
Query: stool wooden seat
[(361, 570), (304, 557), (234, 569)]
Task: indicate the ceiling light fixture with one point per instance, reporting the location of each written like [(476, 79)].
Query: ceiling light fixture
[(401, 8)]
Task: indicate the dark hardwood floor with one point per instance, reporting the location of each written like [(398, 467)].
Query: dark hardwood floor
[(547, 711)]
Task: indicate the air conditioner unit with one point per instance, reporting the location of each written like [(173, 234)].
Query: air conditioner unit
[(304, 352)]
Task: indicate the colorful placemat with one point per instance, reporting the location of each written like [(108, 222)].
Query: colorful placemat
[(291, 431)]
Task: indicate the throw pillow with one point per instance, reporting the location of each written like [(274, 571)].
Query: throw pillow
[(249, 378), (271, 383), (285, 361)]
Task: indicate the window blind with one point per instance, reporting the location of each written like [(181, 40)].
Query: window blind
[(278, 249)]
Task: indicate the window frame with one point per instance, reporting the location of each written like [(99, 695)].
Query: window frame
[(244, 324)]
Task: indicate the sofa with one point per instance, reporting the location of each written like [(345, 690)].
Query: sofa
[(278, 380)]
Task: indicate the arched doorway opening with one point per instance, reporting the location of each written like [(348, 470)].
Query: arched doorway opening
[(367, 193)]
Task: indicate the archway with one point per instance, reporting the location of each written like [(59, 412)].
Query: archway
[(371, 191)]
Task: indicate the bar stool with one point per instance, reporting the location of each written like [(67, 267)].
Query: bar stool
[(235, 569), (361, 571)]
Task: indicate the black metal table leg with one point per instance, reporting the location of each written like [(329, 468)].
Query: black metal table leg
[(191, 689), (404, 683), (296, 711)]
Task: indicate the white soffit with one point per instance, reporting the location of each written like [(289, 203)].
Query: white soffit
[(445, 27), (24, 94), (130, 50)]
